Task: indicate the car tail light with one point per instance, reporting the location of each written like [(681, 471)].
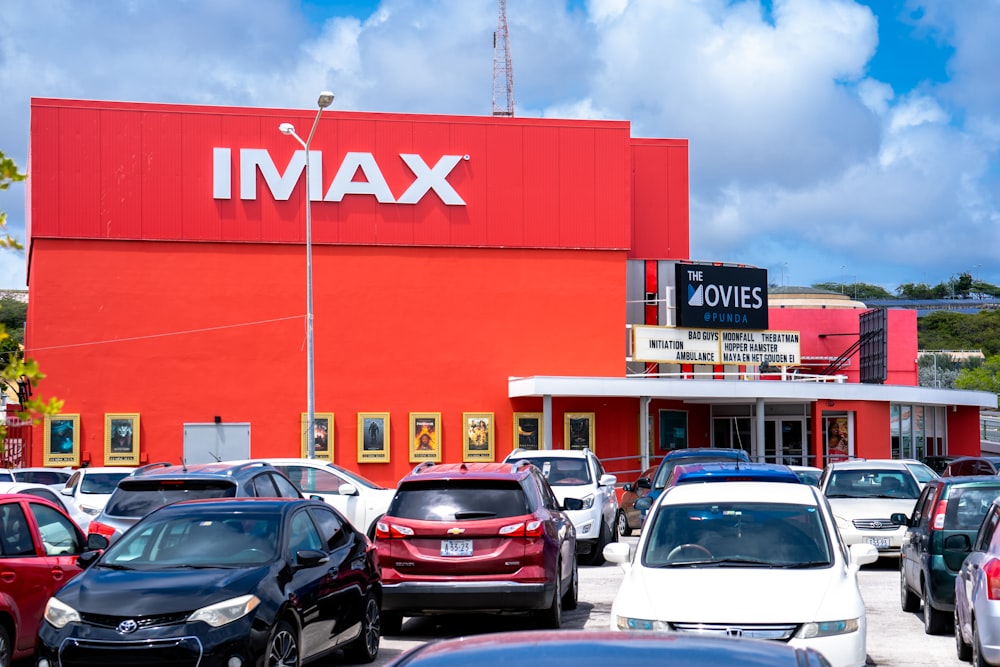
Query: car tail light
[(939, 509), (992, 571), (385, 531), (101, 529), (524, 529)]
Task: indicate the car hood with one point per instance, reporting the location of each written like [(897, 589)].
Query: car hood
[(739, 595), (575, 491), (138, 593), (871, 508)]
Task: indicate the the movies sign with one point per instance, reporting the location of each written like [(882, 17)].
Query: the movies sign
[(680, 345), (721, 297)]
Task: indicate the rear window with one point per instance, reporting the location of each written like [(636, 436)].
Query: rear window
[(139, 498), (561, 470), (446, 500), (101, 482), (967, 506)]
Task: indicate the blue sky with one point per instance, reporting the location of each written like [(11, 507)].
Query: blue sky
[(830, 140)]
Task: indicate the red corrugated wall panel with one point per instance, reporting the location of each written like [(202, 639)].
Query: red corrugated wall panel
[(660, 208)]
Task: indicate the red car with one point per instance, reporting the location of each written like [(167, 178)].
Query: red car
[(39, 545), (486, 537)]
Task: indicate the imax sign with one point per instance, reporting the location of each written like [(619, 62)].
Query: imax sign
[(281, 183)]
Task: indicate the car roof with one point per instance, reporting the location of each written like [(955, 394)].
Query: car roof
[(721, 452), (965, 480), (735, 471), (225, 469), (14, 496), (238, 504), (549, 453), (869, 464), (430, 470), (800, 494)]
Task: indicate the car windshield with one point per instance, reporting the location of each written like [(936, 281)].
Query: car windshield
[(137, 499), (101, 482), (871, 483), (448, 500), (737, 534), (194, 540), (562, 471), (309, 479)]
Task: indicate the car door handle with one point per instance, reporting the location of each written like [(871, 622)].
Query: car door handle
[(7, 577), (57, 574)]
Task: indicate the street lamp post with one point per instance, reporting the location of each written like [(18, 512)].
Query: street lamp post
[(325, 100)]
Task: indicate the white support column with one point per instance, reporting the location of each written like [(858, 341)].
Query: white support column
[(760, 429), (547, 420), (644, 432)]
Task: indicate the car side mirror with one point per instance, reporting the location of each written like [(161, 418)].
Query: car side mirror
[(87, 558), (66, 492), (317, 497), (347, 490), (958, 543), (573, 504), (628, 487), (607, 480), (644, 503), (644, 483), (310, 558), (96, 542), (899, 519)]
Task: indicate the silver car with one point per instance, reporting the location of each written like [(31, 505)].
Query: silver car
[(977, 592)]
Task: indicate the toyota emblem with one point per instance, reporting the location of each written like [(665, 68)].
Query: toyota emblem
[(876, 524), (127, 627)]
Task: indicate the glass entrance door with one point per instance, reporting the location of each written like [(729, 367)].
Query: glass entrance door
[(784, 440)]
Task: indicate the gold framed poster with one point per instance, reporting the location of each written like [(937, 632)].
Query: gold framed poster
[(578, 430), (62, 440), (373, 437), (121, 439), (425, 436), (528, 432), (323, 447), (478, 436)]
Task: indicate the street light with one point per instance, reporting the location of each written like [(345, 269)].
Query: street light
[(325, 100)]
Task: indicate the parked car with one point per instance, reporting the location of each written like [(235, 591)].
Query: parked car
[(590, 648), (39, 548), (972, 465), (938, 463), (629, 518), (928, 565), (578, 473), (46, 476), (923, 472), (977, 592), (477, 536), (864, 494), (361, 500), (221, 582), (89, 488), (808, 474), (156, 485), (52, 494), (691, 455), (759, 560)]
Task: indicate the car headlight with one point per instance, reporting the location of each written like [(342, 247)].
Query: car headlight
[(58, 614), (227, 611), (588, 501), (829, 628), (626, 623)]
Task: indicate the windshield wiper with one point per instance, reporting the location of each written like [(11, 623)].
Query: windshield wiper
[(804, 564), (114, 566)]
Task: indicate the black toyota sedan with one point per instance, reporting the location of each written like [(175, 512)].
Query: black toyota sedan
[(233, 582)]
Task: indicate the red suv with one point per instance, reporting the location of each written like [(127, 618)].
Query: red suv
[(39, 546), (488, 537)]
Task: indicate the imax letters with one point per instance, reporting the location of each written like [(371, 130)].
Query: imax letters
[(281, 184)]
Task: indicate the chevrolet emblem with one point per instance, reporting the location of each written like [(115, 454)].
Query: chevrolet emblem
[(456, 531)]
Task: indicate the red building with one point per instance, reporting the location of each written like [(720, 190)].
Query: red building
[(473, 281)]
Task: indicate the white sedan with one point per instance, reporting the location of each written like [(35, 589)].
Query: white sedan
[(746, 559)]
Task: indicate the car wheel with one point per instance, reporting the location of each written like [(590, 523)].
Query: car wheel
[(935, 621), (6, 649), (572, 594), (283, 647), (365, 647), (963, 649), (392, 623), (597, 557), (621, 522), (552, 617), (908, 600)]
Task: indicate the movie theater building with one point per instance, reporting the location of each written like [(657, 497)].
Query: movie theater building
[(479, 283)]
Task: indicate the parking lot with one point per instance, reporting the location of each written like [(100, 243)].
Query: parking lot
[(895, 638)]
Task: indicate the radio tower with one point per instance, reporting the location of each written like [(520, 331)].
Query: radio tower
[(503, 72)]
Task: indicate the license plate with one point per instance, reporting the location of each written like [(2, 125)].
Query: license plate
[(878, 542), (456, 547)]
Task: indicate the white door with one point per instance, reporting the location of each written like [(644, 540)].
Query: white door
[(208, 443)]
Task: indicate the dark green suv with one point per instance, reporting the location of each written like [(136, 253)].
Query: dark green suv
[(932, 552)]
